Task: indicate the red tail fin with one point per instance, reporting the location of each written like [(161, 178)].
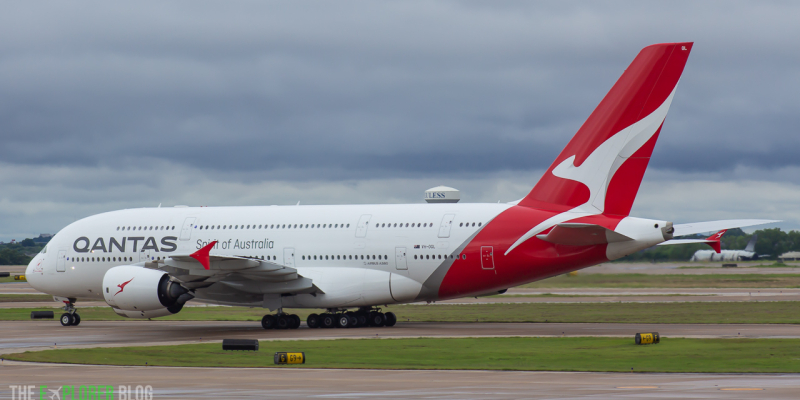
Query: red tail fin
[(603, 164), (714, 240)]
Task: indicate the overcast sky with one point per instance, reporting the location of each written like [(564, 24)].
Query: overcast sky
[(109, 105)]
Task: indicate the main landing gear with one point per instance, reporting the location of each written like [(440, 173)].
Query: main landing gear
[(70, 317), (280, 321), (351, 319)]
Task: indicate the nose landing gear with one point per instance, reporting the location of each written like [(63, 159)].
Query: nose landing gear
[(70, 317)]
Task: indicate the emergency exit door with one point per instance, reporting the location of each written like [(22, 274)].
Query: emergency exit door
[(288, 256), (61, 262), (400, 258), (487, 257)]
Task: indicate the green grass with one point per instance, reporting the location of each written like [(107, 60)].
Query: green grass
[(551, 354), (785, 312), (8, 279), (13, 298), (630, 281)]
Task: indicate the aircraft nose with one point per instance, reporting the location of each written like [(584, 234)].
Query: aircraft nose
[(31, 270)]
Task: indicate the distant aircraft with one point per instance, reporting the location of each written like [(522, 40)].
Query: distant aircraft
[(728, 255)]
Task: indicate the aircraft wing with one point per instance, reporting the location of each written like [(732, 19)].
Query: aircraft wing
[(251, 275), (712, 226)]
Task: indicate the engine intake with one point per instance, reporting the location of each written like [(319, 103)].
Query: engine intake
[(138, 292)]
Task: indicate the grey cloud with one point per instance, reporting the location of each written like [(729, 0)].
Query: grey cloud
[(309, 92)]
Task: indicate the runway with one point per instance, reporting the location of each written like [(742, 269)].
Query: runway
[(277, 383), (37, 335)]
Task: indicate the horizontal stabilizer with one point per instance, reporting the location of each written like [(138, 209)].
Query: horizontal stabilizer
[(712, 226), (575, 234), (713, 241)]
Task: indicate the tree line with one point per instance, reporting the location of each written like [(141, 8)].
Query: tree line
[(20, 253)]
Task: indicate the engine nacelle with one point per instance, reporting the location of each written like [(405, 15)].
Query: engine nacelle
[(138, 292)]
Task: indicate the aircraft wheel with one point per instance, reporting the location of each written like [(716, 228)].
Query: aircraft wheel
[(376, 319), (362, 319), (328, 321), (295, 321), (76, 319), (343, 321), (268, 322), (391, 319), (284, 322), (66, 319), (313, 321), (353, 319)]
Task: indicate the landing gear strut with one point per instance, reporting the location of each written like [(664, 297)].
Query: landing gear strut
[(70, 317)]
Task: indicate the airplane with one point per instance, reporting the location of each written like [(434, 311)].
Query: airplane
[(747, 254), (349, 260)]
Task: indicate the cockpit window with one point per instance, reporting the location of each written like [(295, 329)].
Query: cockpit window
[(44, 250)]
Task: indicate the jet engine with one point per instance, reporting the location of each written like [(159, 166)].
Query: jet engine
[(137, 292)]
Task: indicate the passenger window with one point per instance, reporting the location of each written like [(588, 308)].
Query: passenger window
[(348, 225), (463, 256), (461, 224), (479, 223)]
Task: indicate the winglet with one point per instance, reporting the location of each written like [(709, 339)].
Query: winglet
[(714, 239), (202, 255)]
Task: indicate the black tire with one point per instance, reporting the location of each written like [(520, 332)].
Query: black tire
[(362, 319), (376, 319), (268, 322), (295, 321), (328, 320), (284, 322), (66, 319), (391, 319), (353, 319), (343, 321), (76, 319), (313, 321)]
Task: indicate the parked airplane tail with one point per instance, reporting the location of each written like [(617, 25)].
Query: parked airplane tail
[(603, 164), (751, 245)]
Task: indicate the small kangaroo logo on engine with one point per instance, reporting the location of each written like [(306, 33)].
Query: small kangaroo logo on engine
[(122, 287)]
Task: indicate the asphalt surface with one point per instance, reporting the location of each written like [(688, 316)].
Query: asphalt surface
[(277, 383), (36, 335), (237, 383)]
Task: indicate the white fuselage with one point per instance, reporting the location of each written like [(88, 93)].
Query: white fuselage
[(724, 255), (307, 238)]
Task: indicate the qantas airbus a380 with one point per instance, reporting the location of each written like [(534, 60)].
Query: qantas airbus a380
[(148, 262)]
